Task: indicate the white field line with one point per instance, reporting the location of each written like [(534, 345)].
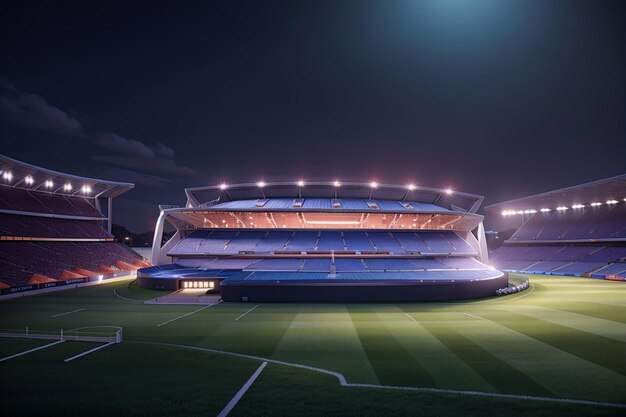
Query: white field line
[(31, 350), (233, 402), (407, 314), (185, 315), (124, 298), (246, 312), (473, 315), (69, 312), (344, 383), (89, 351)]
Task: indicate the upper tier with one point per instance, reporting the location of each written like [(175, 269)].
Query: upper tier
[(20, 200), (598, 223)]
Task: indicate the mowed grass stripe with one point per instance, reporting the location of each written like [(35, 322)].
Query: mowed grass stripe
[(563, 374), (591, 347), (391, 361), (500, 374), (260, 334), (599, 310), (577, 321), (326, 340), (443, 365)]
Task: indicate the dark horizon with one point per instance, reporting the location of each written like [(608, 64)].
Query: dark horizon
[(498, 98)]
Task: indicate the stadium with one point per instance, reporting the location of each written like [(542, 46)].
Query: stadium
[(330, 297), (575, 231), (325, 241)]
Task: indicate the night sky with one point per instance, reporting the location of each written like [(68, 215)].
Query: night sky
[(494, 97)]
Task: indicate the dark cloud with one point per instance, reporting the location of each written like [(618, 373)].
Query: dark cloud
[(127, 175), (33, 111), (135, 154)]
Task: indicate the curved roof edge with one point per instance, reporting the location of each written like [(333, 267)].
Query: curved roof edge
[(446, 198), (613, 188), (19, 171)]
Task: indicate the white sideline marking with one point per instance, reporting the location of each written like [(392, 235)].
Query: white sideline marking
[(409, 316), (124, 298), (233, 402), (89, 351), (69, 312), (31, 350), (246, 312), (185, 315), (475, 316), (344, 383)]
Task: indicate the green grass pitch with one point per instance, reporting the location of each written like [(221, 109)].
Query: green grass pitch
[(563, 338)]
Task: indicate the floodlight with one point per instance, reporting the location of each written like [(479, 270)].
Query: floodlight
[(261, 184), (67, 187), (411, 187), (373, 184), (223, 186), (49, 184), (29, 180), (7, 175), (611, 202), (449, 191), (545, 210), (336, 183), (300, 183)]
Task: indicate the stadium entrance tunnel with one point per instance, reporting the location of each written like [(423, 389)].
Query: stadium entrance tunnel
[(272, 286)]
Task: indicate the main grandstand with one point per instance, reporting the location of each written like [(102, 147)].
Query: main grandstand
[(324, 241), (577, 231), (51, 228)]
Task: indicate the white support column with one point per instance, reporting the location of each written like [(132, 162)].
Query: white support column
[(482, 244), (110, 214), (157, 239)]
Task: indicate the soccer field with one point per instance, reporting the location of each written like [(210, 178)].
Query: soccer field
[(564, 338)]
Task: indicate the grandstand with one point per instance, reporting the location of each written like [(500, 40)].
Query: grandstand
[(325, 241), (51, 228), (577, 231)]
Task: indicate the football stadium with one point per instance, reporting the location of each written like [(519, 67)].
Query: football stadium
[(325, 241), (311, 298)]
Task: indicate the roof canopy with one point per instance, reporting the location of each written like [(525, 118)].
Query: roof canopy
[(219, 195), (19, 174), (601, 191)]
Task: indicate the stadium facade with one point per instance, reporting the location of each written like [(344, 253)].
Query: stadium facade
[(54, 230), (324, 241), (575, 231)]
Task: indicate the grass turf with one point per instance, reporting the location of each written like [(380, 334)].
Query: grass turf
[(565, 337)]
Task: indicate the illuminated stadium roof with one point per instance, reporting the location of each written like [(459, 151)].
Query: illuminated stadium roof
[(327, 205), (20, 174), (213, 196), (607, 191)]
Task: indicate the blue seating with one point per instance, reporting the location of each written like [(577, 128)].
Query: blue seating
[(302, 241), (273, 241), (385, 242), (390, 264), (330, 241), (357, 241)]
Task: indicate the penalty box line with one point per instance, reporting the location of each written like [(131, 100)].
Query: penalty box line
[(187, 314), (233, 402), (344, 383), (32, 350)]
